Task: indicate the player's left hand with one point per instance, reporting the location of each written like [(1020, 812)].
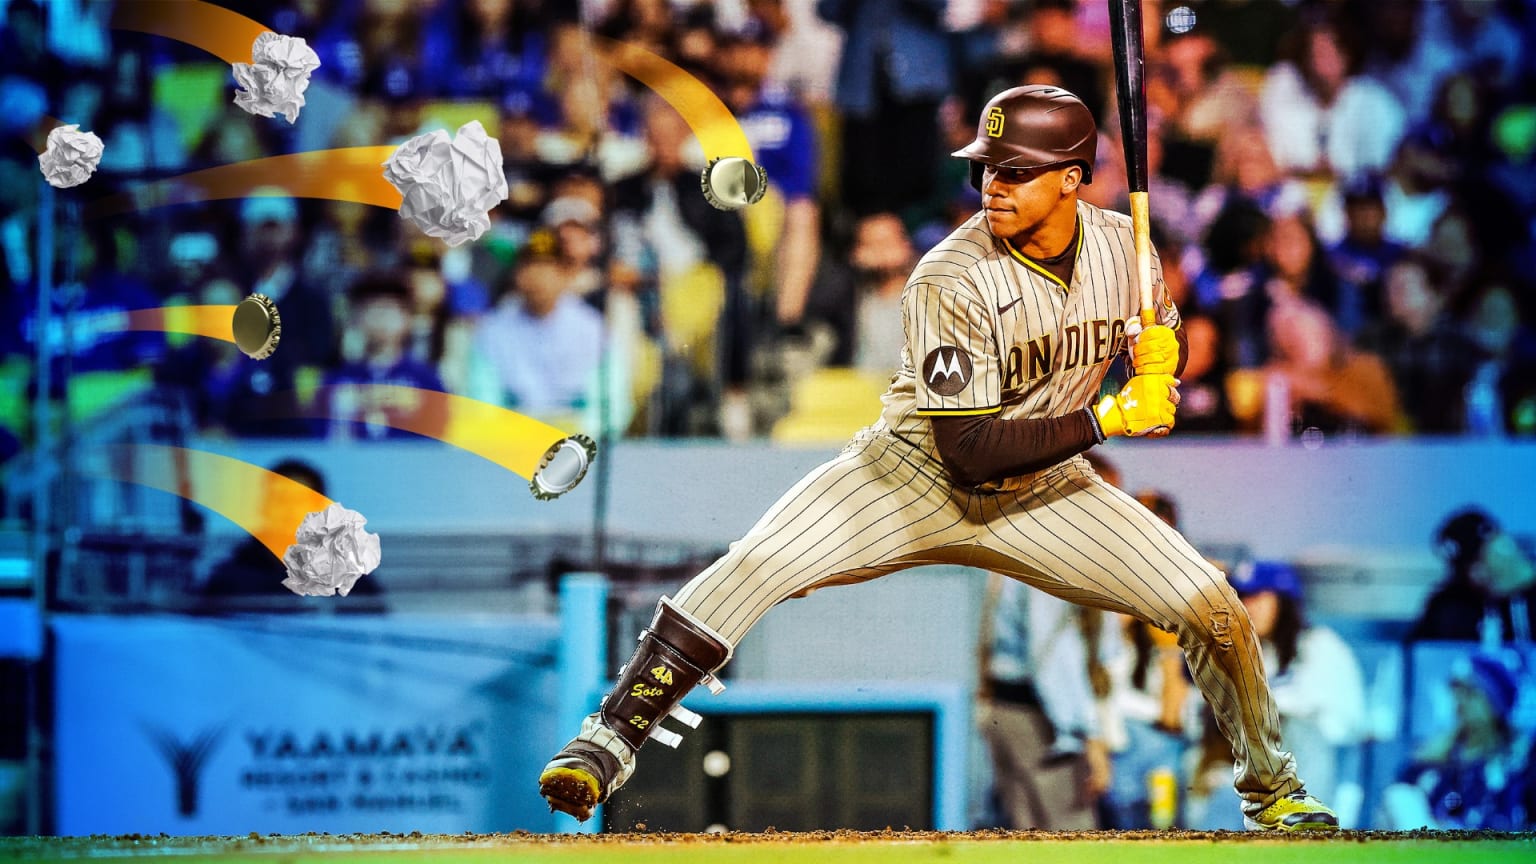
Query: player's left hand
[(1144, 407), (1154, 349)]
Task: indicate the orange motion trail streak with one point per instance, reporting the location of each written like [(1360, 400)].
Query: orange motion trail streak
[(224, 34), (266, 505), (345, 174)]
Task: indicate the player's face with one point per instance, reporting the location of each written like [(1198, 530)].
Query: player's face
[(1019, 200)]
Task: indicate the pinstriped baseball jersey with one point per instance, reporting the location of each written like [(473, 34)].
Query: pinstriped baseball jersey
[(990, 331)]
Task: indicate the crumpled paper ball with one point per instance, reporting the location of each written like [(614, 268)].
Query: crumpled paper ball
[(275, 80), (449, 187), (330, 552), (71, 157)]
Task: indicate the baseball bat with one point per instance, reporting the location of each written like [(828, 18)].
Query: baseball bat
[(1131, 91)]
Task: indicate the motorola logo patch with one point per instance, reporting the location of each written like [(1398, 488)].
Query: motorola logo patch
[(947, 370)]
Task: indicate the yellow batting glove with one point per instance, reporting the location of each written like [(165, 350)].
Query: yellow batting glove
[(1145, 405), (1154, 350)]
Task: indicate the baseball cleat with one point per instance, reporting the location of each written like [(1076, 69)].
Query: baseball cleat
[(578, 779), (1297, 811)]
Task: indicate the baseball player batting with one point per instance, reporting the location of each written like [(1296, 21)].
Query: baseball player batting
[(1011, 323)]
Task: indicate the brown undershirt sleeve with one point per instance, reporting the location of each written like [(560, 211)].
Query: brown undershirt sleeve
[(977, 450), (988, 448)]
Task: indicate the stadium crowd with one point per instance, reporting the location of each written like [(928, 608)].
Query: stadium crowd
[(1341, 191)]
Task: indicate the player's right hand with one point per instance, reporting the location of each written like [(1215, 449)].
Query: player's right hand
[(1145, 405)]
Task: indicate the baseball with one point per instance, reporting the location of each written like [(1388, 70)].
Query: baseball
[(717, 763), (731, 183), (1180, 20)]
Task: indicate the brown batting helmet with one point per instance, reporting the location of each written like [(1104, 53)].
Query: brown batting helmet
[(1032, 127)]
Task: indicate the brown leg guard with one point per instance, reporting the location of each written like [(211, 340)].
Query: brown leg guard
[(676, 653)]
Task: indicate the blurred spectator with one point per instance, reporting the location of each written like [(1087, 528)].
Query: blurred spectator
[(528, 175), (1415, 196), (445, 300), (1244, 172), (1229, 287), (1039, 714), (694, 40), (1316, 679), (349, 239), (96, 285), (1208, 765), (1453, 245), (251, 578), (1049, 760), (477, 49), (575, 224), (1320, 116), (1200, 98), (1250, 32), (24, 47), (1416, 45), (1513, 167), (1052, 51), (1431, 357), (646, 23), (1455, 139), (1141, 710), (1331, 386), (193, 256), (1361, 260), (984, 32), (539, 350), (598, 123), (806, 59), (894, 70), (365, 402), (1477, 775), (784, 141), (1297, 267), (272, 251), (232, 138), (374, 47), (138, 133), (1501, 398), (226, 392), (1489, 593), (1171, 200), (882, 258), (1110, 189), (1202, 391), (671, 244)]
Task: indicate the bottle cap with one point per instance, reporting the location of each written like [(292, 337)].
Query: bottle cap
[(731, 183), (257, 326), (562, 467)]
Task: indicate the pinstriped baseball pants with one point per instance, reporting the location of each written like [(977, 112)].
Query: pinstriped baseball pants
[(883, 505)]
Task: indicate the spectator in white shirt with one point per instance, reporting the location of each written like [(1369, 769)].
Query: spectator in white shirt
[(539, 351), (1320, 117)]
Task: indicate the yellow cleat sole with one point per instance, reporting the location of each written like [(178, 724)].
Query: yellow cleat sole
[(570, 790)]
